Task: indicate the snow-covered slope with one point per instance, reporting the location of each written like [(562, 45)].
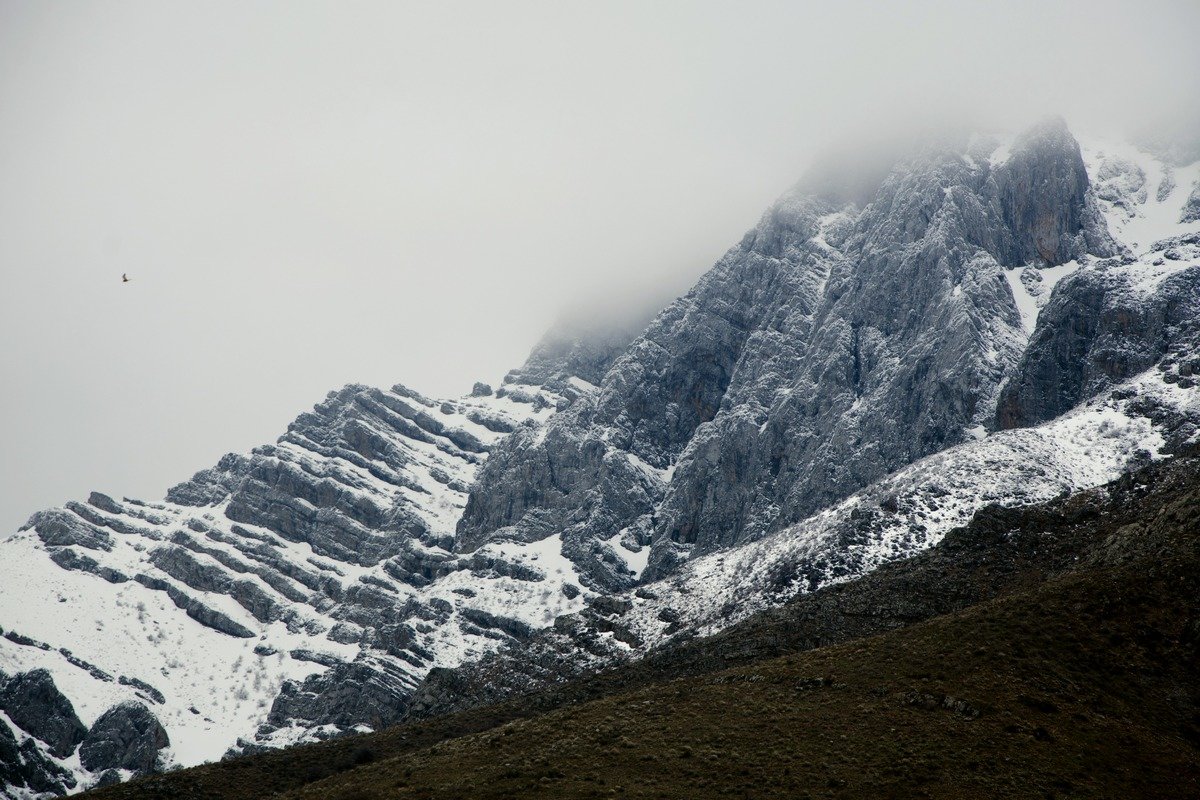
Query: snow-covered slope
[(202, 615), (1144, 198), (914, 508)]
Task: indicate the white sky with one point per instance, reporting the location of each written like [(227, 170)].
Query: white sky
[(309, 194)]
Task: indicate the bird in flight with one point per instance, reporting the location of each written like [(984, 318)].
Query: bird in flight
[(124, 278)]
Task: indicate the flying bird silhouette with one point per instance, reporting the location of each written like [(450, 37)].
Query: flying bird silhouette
[(124, 278)]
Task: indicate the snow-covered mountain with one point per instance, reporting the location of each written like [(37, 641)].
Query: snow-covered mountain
[(324, 559), (991, 320)]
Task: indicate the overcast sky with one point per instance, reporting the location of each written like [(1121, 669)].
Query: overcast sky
[(310, 194)]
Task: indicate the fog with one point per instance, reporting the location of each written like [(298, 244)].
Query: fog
[(305, 195)]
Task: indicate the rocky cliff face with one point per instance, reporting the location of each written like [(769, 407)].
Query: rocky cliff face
[(890, 349), (581, 346), (831, 346), (1106, 324), (1149, 418), (1001, 548)]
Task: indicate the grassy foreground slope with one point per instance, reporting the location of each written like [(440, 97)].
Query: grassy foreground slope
[(1079, 678)]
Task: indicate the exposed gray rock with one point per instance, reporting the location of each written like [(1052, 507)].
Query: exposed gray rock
[(1191, 209), (91, 669), (1166, 185), (483, 619), (24, 766), (790, 376), (420, 566), (1044, 198), (211, 486), (284, 496), (34, 703), (1096, 332), (346, 695), (184, 567), (196, 609), (69, 558), (152, 693), (60, 528), (128, 737), (104, 503), (325, 660), (482, 563)]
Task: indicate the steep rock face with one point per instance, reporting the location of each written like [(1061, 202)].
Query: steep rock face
[(791, 376), (867, 369), (966, 499), (1044, 198), (1117, 317), (600, 467)]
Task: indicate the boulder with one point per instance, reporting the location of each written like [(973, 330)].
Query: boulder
[(127, 737)]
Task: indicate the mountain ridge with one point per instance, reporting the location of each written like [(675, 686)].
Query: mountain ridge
[(1003, 322), (1015, 561)]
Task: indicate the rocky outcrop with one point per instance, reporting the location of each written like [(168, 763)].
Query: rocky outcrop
[(195, 609), (346, 696), (59, 528), (70, 558), (208, 577), (600, 466), (34, 703), (1103, 326), (23, 766), (1191, 209), (126, 737)]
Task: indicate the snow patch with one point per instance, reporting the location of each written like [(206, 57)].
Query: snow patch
[(1032, 287), (635, 560), (1138, 219)]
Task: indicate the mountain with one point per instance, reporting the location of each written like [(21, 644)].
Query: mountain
[(988, 320), (1041, 650)]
